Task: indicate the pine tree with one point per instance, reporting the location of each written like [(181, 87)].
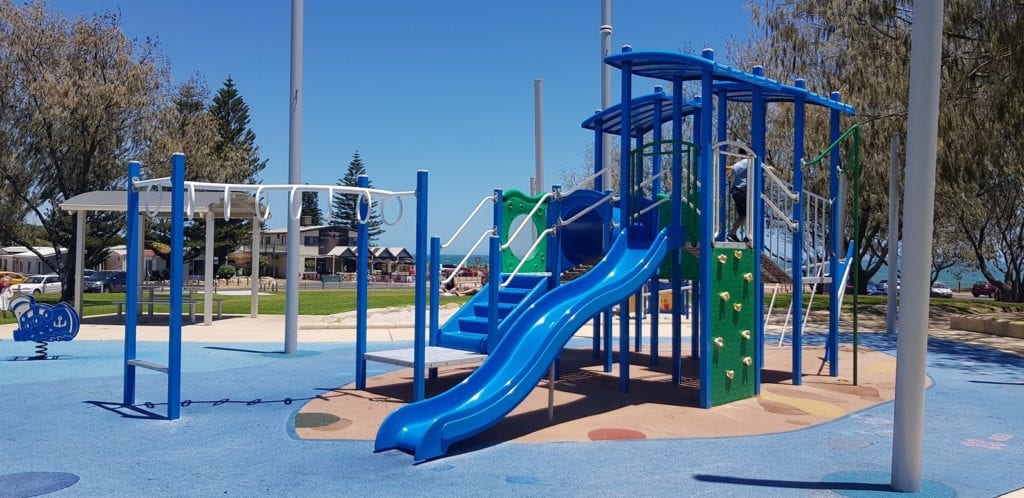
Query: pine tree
[(311, 208), (344, 205)]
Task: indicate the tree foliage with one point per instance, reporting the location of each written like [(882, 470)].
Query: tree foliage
[(77, 101), (311, 208), (343, 212)]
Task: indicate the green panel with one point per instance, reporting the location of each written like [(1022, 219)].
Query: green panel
[(516, 203), (728, 324)]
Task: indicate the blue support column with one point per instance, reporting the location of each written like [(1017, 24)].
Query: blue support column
[(695, 330), (677, 225), (625, 208), (723, 188), (653, 285), (638, 296), (419, 321), (706, 243), (435, 295), (599, 186), (495, 256), (554, 258), (607, 325), (177, 279), (835, 241), (757, 137), (362, 282), (132, 281), (798, 237)]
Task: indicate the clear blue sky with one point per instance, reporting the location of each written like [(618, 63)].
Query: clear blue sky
[(445, 86)]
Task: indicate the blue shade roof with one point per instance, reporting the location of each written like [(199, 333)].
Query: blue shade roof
[(670, 66), (739, 92), (641, 114)]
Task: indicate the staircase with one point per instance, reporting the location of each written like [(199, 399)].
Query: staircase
[(578, 270), (467, 329)]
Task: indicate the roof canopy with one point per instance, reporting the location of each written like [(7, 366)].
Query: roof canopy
[(242, 205), (672, 66), (642, 111)]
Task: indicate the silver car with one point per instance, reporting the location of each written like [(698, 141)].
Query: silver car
[(39, 284)]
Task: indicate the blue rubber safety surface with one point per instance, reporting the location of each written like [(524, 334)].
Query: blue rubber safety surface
[(62, 419)]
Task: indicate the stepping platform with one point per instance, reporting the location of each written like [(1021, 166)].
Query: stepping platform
[(436, 357)]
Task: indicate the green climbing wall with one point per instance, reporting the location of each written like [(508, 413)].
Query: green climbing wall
[(733, 349), (514, 204)]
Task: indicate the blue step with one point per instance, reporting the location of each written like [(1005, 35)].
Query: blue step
[(512, 294), (466, 341), (473, 324), (523, 281), (481, 309)]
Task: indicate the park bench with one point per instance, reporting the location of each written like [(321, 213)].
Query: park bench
[(188, 301)]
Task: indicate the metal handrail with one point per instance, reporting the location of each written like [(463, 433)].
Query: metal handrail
[(462, 264), (577, 216), (526, 220), (580, 184), (651, 207), (525, 257), (780, 184), (471, 216), (792, 225)]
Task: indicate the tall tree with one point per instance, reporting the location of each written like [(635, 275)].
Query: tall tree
[(311, 208), (77, 99), (344, 205)]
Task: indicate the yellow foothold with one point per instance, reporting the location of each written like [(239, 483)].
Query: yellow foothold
[(745, 334), (722, 259), (724, 295), (737, 307), (749, 277), (747, 361), (737, 254), (730, 374)]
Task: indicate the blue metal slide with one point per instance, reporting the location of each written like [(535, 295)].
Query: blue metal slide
[(514, 367)]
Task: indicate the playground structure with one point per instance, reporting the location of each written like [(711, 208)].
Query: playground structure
[(615, 242)]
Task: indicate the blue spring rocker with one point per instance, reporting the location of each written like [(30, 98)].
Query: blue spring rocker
[(42, 323)]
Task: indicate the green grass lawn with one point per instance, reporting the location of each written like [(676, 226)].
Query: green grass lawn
[(312, 302)]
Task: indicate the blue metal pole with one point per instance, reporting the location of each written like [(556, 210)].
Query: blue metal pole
[(419, 322), (723, 190), (554, 258), (706, 244), (695, 332), (625, 208), (757, 137), (599, 186), (835, 240), (362, 284), (435, 289), (638, 296), (654, 285), (608, 312), (798, 238), (131, 314), (677, 225), (177, 258), (495, 256)]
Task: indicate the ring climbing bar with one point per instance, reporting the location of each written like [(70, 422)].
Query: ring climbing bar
[(527, 219), (526, 256), (140, 185), (462, 264), (468, 219)]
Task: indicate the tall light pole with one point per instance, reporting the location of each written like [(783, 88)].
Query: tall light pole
[(919, 205), (291, 310), (538, 135)]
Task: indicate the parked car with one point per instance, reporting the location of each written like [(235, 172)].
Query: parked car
[(940, 289), (105, 281), (884, 285), (984, 288), (39, 284), (16, 278), (875, 289)]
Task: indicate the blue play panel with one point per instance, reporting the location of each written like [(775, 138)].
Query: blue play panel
[(64, 432)]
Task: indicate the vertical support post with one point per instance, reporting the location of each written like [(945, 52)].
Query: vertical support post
[(599, 186), (254, 274), (638, 296), (177, 257), (607, 235), (892, 259), (435, 289), (79, 257), (723, 187), (798, 238), (675, 251), (554, 258), (538, 133), (362, 281), (835, 241), (419, 322), (757, 136), (494, 252), (208, 275), (131, 298), (653, 285), (294, 257), (695, 322), (706, 243), (625, 203), (912, 342)]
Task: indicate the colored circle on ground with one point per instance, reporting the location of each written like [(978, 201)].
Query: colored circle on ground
[(314, 419), (25, 484), (615, 434), (865, 483)]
